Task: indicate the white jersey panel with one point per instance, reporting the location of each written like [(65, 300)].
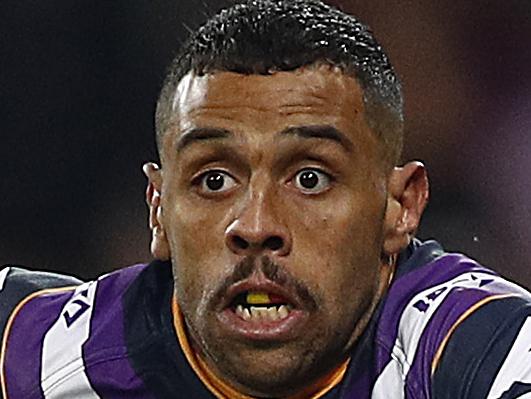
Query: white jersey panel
[(410, 329), (517, 365), (3, 277), (390, 383), (63, 372)]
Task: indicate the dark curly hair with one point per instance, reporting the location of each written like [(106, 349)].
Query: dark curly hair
[(263, 36)]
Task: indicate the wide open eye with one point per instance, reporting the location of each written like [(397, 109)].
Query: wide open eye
[(312, 181), (216, 181)]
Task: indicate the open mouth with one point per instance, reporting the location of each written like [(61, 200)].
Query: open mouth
[(262, 311)]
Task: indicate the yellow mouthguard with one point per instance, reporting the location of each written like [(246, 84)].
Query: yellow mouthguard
[(257, 298)]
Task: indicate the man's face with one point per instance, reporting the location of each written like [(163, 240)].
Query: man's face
[(273, 198)]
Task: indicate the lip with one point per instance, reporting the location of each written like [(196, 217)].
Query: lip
[(278, 330)]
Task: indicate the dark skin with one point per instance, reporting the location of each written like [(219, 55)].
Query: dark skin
[(285, 168)]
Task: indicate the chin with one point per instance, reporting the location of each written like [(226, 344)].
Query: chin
[(274, 374), (272, 370)]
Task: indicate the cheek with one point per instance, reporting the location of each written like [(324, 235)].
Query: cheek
[(196, 238), (196, 228), (339, 227), (339, 249)]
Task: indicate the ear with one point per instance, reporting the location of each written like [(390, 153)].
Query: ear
[(408, 192), (160, 248)]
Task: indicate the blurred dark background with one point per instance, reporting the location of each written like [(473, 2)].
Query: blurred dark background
[(79, 82)]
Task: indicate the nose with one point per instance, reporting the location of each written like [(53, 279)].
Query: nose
[(257, 230)]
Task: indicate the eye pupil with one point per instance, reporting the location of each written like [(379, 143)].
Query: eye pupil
[(308, 179), (215, 181)]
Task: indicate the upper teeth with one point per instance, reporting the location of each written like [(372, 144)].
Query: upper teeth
[(268, 313)]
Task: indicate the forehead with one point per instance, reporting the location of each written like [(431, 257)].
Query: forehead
[(257, 108), (320, 90)]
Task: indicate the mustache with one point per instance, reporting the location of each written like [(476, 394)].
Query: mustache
[(273, 272)]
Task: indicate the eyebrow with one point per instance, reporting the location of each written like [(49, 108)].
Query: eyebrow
[(201, 134), (326, 132)]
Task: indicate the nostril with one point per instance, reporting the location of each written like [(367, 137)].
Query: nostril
[(240, 242), (274, 243)]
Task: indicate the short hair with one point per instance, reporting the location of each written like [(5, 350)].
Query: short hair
[(263, 36)]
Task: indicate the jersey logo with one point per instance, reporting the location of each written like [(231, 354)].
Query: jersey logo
[(76, 308), (471, 281), (63, 373), (423, 304)]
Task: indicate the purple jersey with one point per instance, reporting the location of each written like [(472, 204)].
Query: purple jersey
[(447, 328)]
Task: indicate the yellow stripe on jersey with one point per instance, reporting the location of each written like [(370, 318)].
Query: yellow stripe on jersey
[(222, 390), (465, 315), (9, 324)]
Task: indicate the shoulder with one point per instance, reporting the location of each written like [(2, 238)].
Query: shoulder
[(488, 354), (424, 309), (59, 330), (17, 283)]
